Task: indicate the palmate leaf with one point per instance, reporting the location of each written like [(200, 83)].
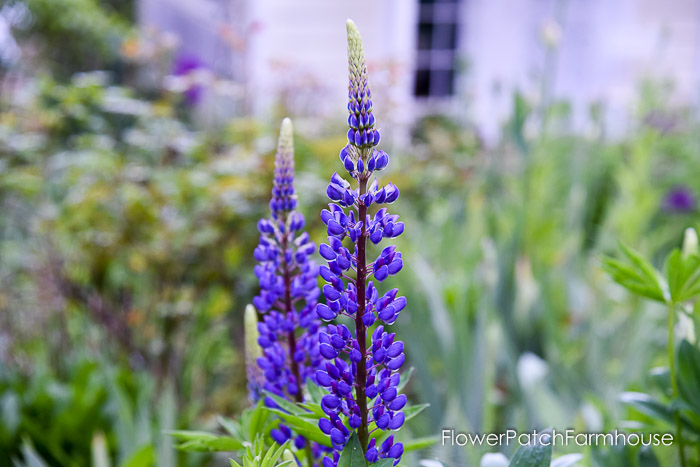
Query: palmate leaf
[(683, 275), (637, 275)]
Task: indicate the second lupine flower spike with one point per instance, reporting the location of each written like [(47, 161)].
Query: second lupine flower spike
[(288, 291), (361, 371)]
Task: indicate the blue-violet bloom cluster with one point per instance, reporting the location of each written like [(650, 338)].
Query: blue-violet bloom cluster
[(288, 290), (361, 368)]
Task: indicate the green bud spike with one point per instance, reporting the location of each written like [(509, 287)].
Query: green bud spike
[(357, 65), (250, 329)]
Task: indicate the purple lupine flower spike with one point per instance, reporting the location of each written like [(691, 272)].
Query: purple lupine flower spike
[(361, 369), (288, 290)]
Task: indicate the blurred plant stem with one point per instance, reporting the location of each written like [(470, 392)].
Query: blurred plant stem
[(674, 383)]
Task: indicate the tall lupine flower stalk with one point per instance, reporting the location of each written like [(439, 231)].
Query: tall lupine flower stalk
[(361, 369), (288, 290)]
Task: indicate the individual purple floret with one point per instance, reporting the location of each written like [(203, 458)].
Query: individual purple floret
[(680, 199), (288, 290), (361, 374)]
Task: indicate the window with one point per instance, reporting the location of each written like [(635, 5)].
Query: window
[(437, 48)]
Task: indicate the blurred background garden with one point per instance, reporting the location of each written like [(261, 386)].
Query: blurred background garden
[(137, 144)]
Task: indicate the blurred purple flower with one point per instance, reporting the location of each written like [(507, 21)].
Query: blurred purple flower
[(184, 65), (680, 199)]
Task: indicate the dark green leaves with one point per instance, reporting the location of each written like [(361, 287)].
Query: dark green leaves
[(688, 375), (352, 455), (647, 405), (533, 455)]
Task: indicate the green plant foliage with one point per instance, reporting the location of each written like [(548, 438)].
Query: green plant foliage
[(352, 455), (258, 456), (532, 455)]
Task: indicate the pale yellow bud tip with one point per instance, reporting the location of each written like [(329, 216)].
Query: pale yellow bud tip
[(690, 242), (354, 42), (250, 326), (286, 139), (287, 128)]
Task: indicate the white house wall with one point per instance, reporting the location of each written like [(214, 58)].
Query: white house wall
[(606, 48), (294, 53)]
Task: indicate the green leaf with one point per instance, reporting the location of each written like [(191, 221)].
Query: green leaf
[(568, 460), (273, 455), (200, 441), (646, 270), (413, 410), (256, 419), (688, 375), (647, 405), (315, 410), (352, 455), (284, 404), (683, 275), (304, 427), (386, 462), (142, 457), (420, 443), (231, 426), (405, 378), (634, 280), (532, 455), (315, 391)]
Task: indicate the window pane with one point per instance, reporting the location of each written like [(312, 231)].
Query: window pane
[(445, 37), (425, 36), (441, 82), (422, 84)]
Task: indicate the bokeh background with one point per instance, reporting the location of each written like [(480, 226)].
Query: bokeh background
[(136, 154)]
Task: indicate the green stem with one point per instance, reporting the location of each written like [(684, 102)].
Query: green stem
[(670, 350)]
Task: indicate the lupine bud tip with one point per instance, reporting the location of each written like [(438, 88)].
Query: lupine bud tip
[(690, 242)]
